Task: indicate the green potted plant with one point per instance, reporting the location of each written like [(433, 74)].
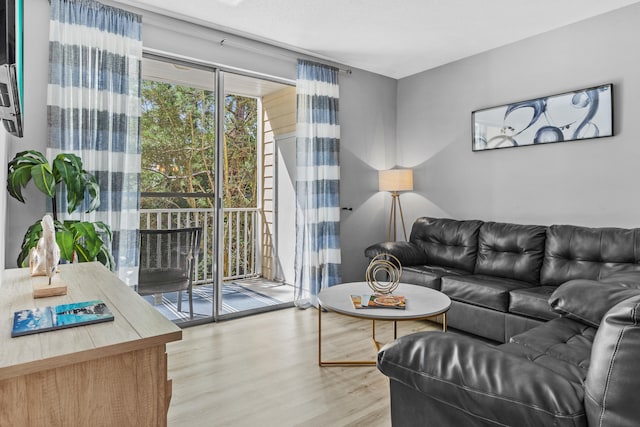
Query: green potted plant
[(78, 240)]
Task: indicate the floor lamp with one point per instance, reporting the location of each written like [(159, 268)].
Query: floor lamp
[(395, 180)]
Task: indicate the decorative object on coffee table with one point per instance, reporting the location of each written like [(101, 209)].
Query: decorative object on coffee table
[(395, 180), (388, 264)]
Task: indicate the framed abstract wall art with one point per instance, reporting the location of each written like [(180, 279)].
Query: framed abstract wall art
[(582, 114)]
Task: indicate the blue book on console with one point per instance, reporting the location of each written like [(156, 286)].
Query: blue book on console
[(35, 320)]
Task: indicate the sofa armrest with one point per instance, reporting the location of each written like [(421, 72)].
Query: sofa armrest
[(407, 253), (587, 301), (482, 380)]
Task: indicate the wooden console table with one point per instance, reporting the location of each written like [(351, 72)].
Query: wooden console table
[(107, 374)]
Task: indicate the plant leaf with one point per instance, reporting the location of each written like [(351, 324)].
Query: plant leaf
[(30, 157), (74, 160), (16, 180), (68, 168), (82, 253), (66, 172), (43, 178), (104, 229), (106, 258), (19, 173), (85, 230), (65, 241), (87, 236), (93, 188), (30, 240)]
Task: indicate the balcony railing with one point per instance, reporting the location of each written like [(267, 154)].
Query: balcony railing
[(241, 245)]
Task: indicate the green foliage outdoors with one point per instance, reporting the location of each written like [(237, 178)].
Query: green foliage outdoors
[(178, 146), (178, 155)]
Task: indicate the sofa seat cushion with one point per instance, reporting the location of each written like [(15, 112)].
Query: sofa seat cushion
[(484, 291), (532, 302), (428, 275), (561, 345)]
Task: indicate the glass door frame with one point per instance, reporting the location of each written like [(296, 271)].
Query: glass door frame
[(219, 191)]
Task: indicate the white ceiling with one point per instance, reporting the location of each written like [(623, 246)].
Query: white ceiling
[(395, 38)]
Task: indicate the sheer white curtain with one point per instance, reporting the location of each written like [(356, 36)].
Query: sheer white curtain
[(93, 102), (317, 259)]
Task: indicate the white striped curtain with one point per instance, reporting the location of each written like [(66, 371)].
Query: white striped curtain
[(317, 257), (93, 103)]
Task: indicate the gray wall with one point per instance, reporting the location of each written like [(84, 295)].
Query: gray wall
[(593, 182), (367, 116), (4, 136), (36, 48), (367, 137)]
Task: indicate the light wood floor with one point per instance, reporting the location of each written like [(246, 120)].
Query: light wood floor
[(263, 370)]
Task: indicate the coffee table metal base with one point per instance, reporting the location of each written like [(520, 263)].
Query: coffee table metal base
[(376, 343)]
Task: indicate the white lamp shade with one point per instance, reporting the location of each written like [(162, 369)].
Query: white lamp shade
[(395, 180)]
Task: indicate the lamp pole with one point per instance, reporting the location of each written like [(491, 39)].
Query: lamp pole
[(395, 200)]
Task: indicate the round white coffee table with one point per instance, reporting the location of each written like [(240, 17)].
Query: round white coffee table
[(421, 303)]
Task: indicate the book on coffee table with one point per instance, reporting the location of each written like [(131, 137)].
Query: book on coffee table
[(379, 301)]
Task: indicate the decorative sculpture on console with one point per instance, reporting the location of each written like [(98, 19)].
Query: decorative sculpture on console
[(44, 258), (388, 264)]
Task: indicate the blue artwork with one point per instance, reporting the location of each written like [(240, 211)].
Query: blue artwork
[(34, 320), (582, 114)]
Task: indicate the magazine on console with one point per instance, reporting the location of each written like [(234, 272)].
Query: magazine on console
[(36, 320)]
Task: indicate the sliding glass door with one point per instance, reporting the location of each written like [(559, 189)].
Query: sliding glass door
[(210, 162)]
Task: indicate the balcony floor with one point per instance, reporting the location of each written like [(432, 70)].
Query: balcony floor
[(239, 297)]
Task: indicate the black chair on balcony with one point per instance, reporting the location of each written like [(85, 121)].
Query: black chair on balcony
[(167, 262)]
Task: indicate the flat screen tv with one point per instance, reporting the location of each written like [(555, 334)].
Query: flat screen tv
[(11, 85)]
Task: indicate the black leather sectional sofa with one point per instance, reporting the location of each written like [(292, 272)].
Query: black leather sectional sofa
[(580, 368), (500, 276)]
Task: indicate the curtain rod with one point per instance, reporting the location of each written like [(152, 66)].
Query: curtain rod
[(226, 36)]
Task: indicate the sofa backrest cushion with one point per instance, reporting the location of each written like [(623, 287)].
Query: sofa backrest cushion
[(630, 279), (447, 242), (612, 384), (512, 251), (573, 252), (587, 301)]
